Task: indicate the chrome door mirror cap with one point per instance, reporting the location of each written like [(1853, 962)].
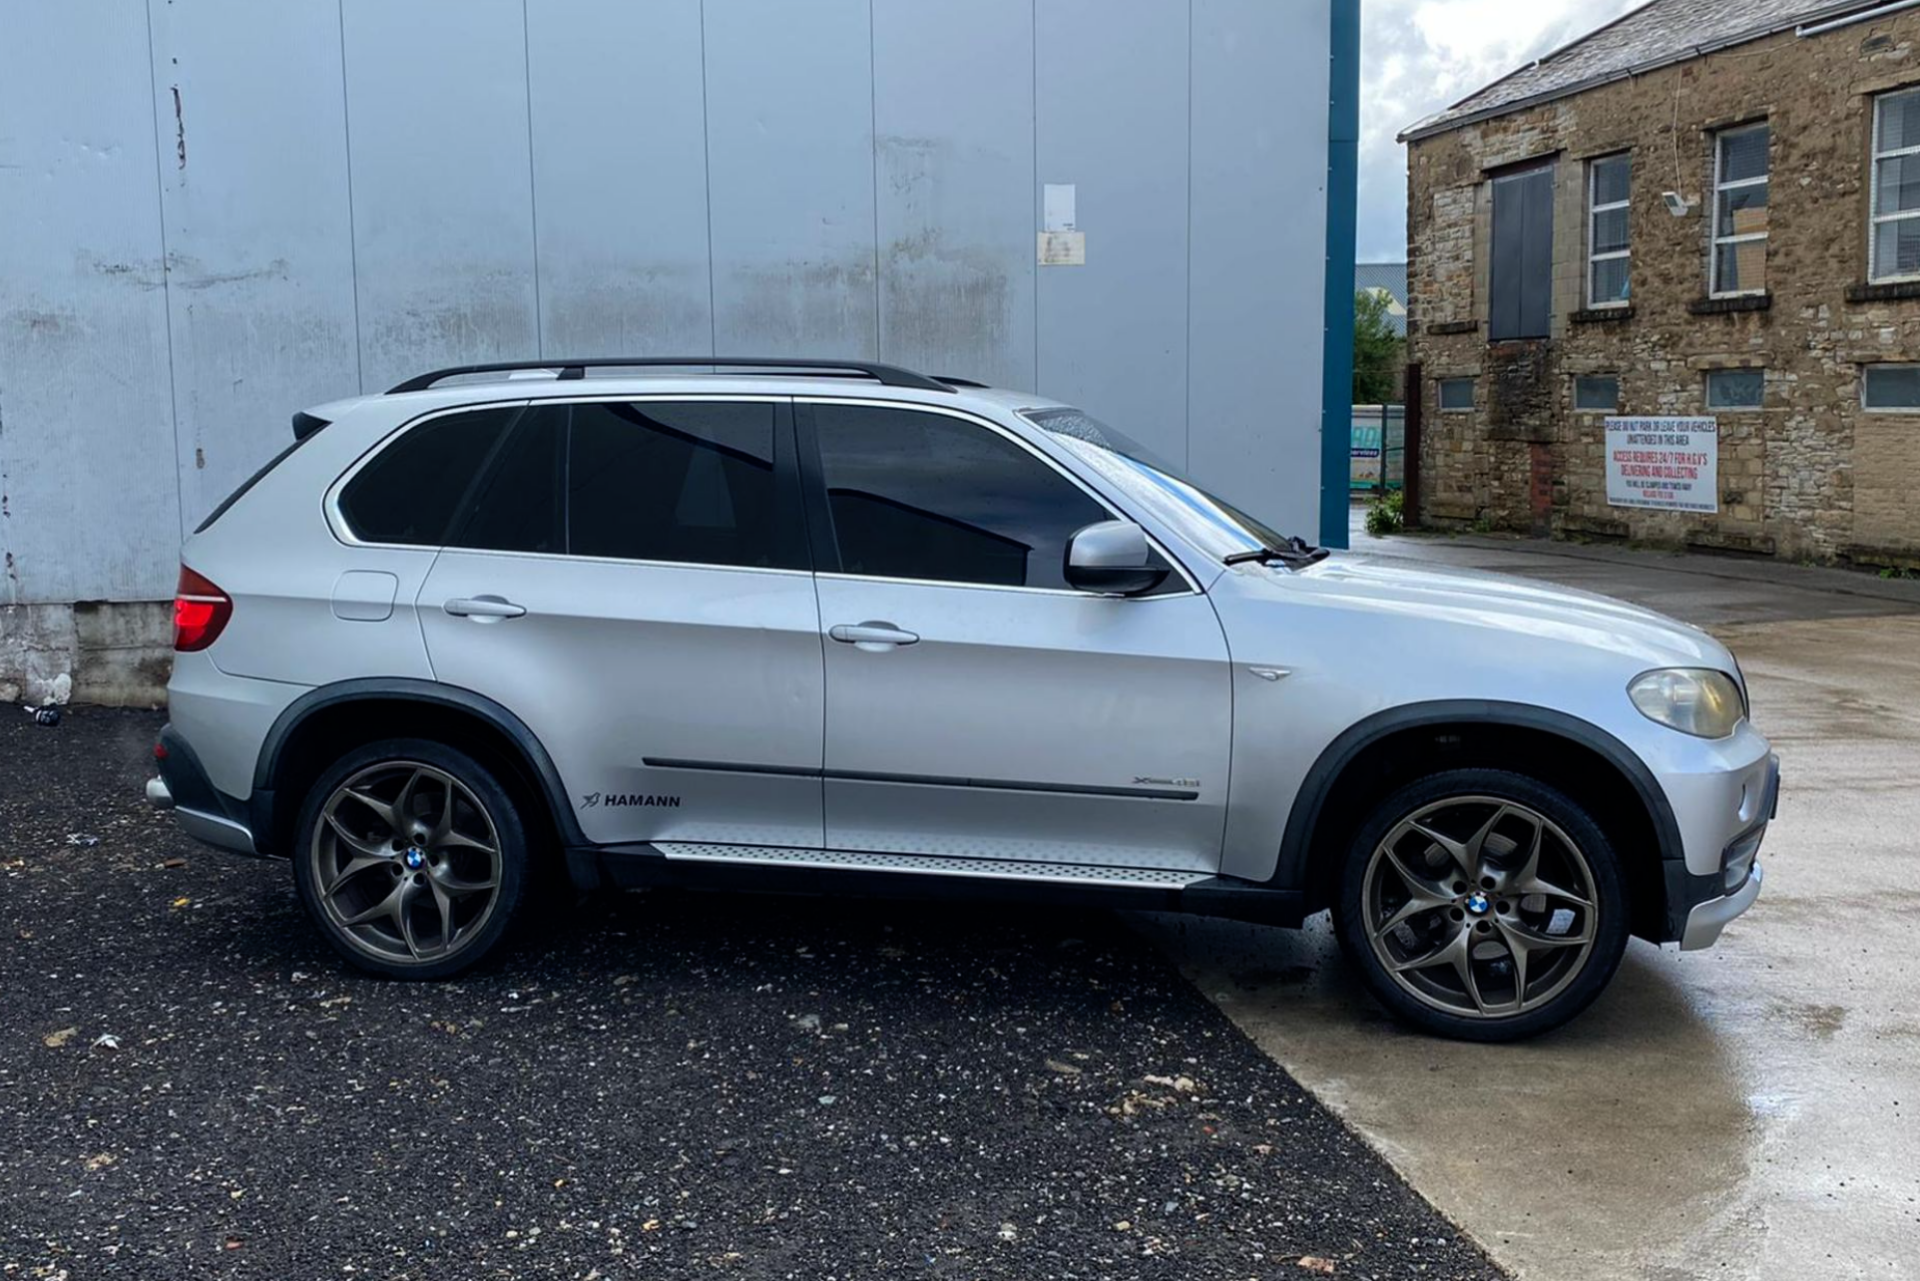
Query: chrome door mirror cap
[(1113, 558)]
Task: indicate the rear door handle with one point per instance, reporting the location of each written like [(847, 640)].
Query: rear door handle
[(871, 635), (484, 608)]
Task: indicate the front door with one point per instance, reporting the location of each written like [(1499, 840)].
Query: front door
[(976, 705), (630, 579)]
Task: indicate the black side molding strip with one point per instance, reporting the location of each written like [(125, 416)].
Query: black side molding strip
[(927, 780)]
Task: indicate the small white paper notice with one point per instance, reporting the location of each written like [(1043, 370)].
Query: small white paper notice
[(1063, 248), (1056, 208)]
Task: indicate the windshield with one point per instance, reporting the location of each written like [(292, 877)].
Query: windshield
[(1154, 484)]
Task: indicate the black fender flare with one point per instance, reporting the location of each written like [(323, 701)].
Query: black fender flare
[(1303, 818), (409, 689)]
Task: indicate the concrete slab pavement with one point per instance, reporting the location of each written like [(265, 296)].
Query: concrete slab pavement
[(1747, 1112)]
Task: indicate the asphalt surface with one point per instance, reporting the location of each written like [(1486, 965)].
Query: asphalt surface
[(192, 1085)]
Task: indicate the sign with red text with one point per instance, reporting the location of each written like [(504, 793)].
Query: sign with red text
[(1672, 464)]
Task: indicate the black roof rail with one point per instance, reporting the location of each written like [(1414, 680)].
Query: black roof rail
[(951, 381), (886, 375)]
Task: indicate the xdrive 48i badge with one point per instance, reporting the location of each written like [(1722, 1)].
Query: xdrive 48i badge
[(628, 800)]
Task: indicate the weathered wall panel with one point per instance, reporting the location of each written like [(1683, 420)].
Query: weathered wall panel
[(954, 167), (371, 188), (259, 234), (442, 198), (89, 489), (789, 136), (620, 177), (1258, 254), (1111, 85)]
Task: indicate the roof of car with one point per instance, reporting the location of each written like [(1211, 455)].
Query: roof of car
[(545, 384)]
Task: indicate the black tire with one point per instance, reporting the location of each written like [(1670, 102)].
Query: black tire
[(479, 808), (1490, 916)]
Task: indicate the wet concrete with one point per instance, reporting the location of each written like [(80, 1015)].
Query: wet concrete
[(1746, 1112)]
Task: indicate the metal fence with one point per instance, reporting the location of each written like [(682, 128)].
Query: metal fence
[(1379, 449)]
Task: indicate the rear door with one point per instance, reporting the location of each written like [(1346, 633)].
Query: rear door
[(977, 706), (630, 578)]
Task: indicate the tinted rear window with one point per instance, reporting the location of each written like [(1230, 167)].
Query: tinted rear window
[(519, 503), (412, 490), (690, 481)]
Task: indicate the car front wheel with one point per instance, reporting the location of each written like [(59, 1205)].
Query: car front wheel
[(411, 858), (1482, 904)]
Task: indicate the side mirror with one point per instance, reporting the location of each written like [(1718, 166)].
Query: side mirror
[(1112, 558)]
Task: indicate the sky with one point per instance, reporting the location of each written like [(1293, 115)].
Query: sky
[(1419, 56)]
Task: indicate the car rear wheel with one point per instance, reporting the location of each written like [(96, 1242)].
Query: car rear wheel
[(1483, 905), (411, 859)]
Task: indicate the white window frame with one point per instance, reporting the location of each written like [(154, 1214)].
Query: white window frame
[(1871, 408), (1440, 393), (1715, 239), (1706, 389), (1594, 210), (1876, 219)]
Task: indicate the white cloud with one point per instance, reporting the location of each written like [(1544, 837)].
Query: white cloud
[(1419, 56)]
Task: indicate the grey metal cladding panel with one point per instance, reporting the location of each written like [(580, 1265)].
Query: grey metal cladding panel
[(1507, 260), (88, 505), (442, 195), (1259, 137), (1112, 120), (1536, 280), (620, 177), (259, 234), (790, 153), (953, 109)]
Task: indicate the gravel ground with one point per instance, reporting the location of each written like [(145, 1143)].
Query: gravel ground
[(192, 1085)]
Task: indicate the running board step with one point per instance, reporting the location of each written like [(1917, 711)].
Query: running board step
[(1155, 878)]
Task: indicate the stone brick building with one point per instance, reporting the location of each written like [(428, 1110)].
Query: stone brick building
[(1704, 209)]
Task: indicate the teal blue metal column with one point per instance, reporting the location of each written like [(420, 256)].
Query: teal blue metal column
[(1343, 196)]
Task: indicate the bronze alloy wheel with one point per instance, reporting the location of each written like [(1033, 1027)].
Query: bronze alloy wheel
[(1480, 907), (405, 863)]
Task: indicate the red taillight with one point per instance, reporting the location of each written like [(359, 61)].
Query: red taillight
[(200, 610)]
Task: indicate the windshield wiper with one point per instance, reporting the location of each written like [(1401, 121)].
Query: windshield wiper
[(1298, 551)]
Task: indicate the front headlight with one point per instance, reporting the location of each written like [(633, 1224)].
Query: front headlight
[(1694, 700)]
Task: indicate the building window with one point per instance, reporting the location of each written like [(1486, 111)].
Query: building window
[(1890, 388), (1608, 256), (1735, 388), (1740, 210), (1596, 393), (1456, 395), (1895, 222), (1521, 285)]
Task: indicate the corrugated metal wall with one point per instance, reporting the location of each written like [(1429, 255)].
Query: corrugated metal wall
[(214, 212)]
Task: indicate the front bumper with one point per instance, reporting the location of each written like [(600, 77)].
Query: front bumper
[(1702, 905), (1707, 919), (204, 813)]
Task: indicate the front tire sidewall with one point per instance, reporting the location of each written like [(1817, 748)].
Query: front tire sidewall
[(508, 829), (1612, 908)]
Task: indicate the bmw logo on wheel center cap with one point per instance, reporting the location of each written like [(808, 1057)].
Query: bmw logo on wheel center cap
[(1476, 903), (416, 858)]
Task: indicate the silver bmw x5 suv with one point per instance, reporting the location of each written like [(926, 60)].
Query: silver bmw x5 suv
[(849, 629)]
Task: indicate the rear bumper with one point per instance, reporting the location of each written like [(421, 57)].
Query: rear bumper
[(205, 813)]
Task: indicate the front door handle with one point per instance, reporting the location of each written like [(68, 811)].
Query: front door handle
[(871, 635), (484, 609)]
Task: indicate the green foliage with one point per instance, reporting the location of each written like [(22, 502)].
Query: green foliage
[(1377, 351), (1387, 515)]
